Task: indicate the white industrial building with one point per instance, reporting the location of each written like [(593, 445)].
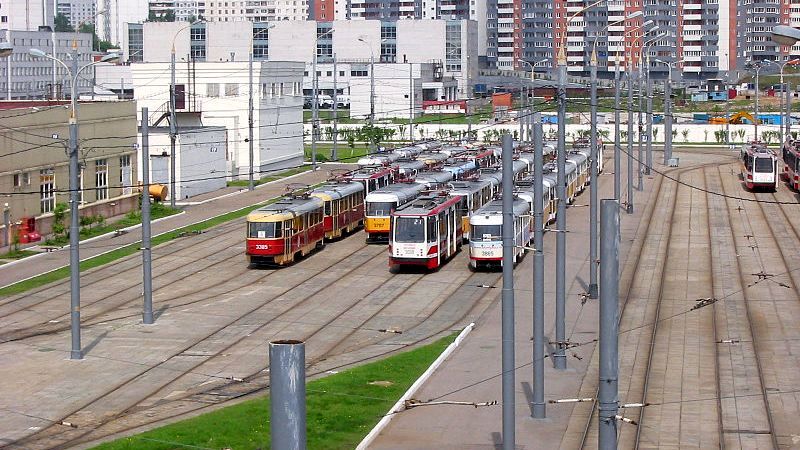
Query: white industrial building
[(449, 45), (216, 94), (27, 15), (200, 163), (23, 76)]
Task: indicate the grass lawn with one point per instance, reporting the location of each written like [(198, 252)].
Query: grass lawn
[(341, 410), (15, 254), (157, 211), (268, 178)]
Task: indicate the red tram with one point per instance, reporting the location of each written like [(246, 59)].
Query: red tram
[(791, 164), (426, 232), (281, 232), (343, 208)]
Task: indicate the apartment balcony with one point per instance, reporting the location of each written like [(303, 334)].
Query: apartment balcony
[(692, 6)]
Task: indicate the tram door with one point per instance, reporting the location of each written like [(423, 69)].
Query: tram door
[(288, 232)]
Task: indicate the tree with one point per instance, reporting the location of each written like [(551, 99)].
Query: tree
[(61, 24)]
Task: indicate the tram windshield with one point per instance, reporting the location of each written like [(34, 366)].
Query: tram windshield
[(379, 208), (409, 229), (264, 230), (486, 233), (763, 165)]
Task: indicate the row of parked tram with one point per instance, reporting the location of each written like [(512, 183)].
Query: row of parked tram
[(420, 199)]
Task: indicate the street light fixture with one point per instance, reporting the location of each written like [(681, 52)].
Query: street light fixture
[(644, 169), (251, 182), (74, 187), (668, 108), (371, 89), (172, 125)]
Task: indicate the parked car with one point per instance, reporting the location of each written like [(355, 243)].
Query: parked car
[(342, 101)]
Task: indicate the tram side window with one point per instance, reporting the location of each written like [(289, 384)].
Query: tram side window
[(748, 162), (328, 208), (432, 229), (264, 230)]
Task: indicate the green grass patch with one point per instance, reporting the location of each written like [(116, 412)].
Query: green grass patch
[(16, 254), (346, 153), (341, 410), (90, 230), (268, 178)]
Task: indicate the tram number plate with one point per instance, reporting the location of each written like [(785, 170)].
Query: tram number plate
[(262, 247), (486, 253)]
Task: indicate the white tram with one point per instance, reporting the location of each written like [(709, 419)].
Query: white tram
[(759, 167), (486, 236), (426, 232)]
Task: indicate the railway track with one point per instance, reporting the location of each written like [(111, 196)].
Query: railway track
[(196, 376)]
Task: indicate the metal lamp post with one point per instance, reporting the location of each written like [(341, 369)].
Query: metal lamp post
[(172, 125), (788, 36), (645, 50), (74, 188), (315, 101), (251, 182), (787, 120), (667, 109), (371, 90)]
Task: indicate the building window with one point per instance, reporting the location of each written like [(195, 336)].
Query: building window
[(22, 179), (231, 89), (361, 72), (125, 179), (388, 31), (212, 90), (47, 190), (101, 179)]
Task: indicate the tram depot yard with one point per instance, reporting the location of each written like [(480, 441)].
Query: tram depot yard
[(708, 297)]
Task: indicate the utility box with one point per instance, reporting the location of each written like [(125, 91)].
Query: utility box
[(27, 231)]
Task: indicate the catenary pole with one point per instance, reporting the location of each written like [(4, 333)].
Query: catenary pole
[(410, 103), (560, 356), (631, 73), (287, 389), (668, 117), (608, 401), (593, 167), (335, 151), (539, 409), (649, 120), (314, 111), (617, 132), (640, 148), (251, 182), (508, 360), (172, 130), (74, 215), (147, 270)]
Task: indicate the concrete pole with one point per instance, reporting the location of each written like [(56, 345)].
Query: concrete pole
[(314, 111), (530, 125), (539, 408), (251, 183), (640, 148), (560, 357), (631, 73), (608, 401), (287, 390), (617, 137), (649, 120), (508, 360), (410, 103), (523, 103), (668, 117), (6, 226), (727, 115), (147, 270), (172, 130), (74, 226), (372, 99), (468, 96), (593, 163), (755, 122), (335, 151), (788, 120)]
